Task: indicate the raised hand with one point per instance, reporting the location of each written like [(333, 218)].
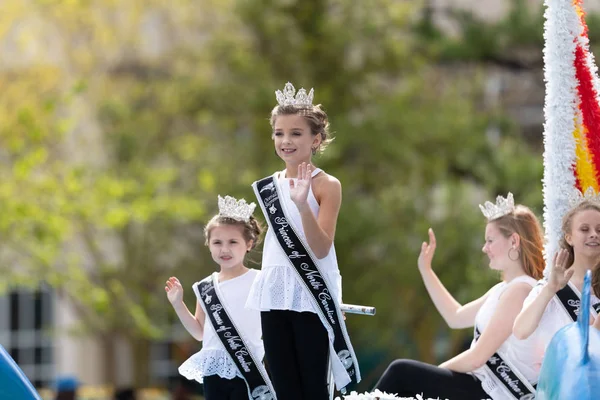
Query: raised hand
[(427, 252), (299, 189), (174, 290), (560, 273)]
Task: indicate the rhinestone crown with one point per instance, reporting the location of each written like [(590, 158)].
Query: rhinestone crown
[(502, 207), (289, 97), (239, 210), (576, 197)]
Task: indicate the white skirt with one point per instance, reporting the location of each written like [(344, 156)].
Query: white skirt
[(209, 362)]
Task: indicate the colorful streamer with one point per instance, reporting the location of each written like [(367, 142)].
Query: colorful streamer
[(572, 112)]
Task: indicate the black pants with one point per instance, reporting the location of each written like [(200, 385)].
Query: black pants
[(217, 388), (296, 350), (407, 378)]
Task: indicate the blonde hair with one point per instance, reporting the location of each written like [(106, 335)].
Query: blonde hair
[(315, 117), (524, 223)]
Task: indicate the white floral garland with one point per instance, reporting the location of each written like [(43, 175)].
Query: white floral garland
[(378, 395), (560, 31)]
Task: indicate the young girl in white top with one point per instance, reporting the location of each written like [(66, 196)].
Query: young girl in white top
[(296, 339), (497, 365), (543, 312), (229, 236)]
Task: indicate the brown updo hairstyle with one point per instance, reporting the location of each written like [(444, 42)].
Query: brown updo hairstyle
[(251, 230), (315, 117), (524, 223)]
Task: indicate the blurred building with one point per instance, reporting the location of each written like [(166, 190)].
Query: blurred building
[(35, 329), (26, 319)]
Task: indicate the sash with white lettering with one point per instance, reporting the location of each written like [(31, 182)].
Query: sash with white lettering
[(306, 265), (505, 374), (571, 302), (252, 370)]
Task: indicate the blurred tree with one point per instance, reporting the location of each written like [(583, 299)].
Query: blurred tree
[(102, 219)]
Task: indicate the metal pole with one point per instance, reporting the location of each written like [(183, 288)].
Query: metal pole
[(349, 309)]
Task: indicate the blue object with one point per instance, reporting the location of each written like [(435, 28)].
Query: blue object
[(67, 384), (571, 366), (14, 385)]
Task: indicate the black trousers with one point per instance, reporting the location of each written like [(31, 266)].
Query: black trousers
[(296, 351), (407, 378), (217, 388)]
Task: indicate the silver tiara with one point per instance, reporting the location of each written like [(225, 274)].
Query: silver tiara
[(575, 197), (239, 210), (287, 98), (502, 207)]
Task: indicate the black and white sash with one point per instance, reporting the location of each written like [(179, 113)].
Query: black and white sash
[(507, 375), (252, 370), (306, 265), (570, 302)]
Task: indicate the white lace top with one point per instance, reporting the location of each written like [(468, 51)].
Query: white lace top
[(554, 317), (213, 359), (278, 287), (524, 355)]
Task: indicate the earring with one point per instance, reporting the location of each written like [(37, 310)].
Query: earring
[(518, 254), (314, 150)]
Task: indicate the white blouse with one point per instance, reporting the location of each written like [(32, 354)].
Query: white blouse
[(524, 355), (213, 359), (278, 287), (554, 317)]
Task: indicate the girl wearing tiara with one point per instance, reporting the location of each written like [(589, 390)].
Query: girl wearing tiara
[(230, 362), (497, 365), (555, 301), (299, 289)]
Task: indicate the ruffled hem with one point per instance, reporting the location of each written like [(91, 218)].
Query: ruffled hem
[(277, 288), (207, 363)]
